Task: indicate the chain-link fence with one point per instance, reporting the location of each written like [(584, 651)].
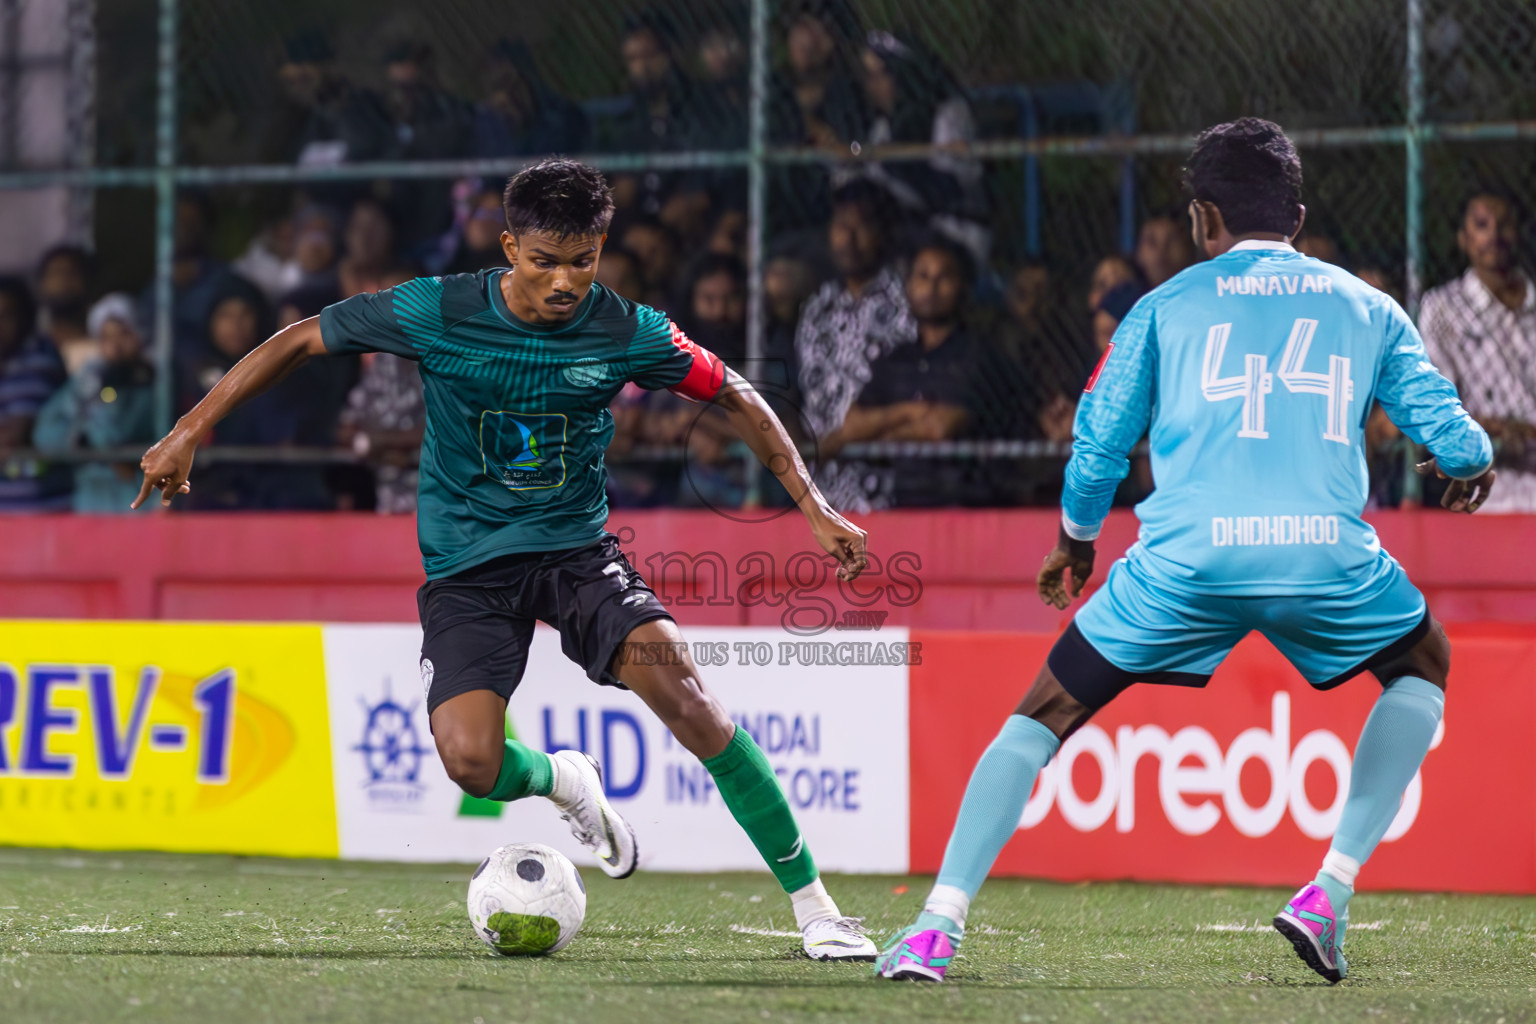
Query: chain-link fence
[(233, 164)]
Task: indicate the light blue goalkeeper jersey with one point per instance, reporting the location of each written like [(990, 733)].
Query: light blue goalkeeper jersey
[(1255, 373)]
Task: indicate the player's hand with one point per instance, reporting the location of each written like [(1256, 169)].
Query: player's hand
[(1462, 495), (843, 541), (1072, 557), (166, 468)]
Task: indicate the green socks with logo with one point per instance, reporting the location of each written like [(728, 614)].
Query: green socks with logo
[(754, 797), (524, 772)]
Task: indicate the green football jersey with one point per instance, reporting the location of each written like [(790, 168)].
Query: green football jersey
[(517, 413)]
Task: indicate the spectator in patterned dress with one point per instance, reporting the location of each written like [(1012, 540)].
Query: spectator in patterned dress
[(853, 320), (383, 422), (1480, 330)]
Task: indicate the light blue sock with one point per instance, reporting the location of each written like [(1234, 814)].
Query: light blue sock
[(989, 814), (1338, 898), (1392, 746)]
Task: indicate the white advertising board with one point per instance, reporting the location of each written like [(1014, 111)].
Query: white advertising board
[(835, 733)]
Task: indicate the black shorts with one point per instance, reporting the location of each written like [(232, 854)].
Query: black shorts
[(1093, 680), (477, 625)]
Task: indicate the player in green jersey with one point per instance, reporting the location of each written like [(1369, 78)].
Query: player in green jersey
[(519, 367)]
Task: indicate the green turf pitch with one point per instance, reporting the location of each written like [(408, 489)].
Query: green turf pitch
[(152, 937)]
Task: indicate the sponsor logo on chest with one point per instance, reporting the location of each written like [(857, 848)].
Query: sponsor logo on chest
[(587, 373)]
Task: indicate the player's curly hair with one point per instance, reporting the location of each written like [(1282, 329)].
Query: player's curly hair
[(1249, 169), (558, 197)]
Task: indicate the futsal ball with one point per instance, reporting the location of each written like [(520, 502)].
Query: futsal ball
[(526, 900)]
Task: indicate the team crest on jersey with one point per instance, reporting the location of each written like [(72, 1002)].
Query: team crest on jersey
[(524, 451), (587, 373)]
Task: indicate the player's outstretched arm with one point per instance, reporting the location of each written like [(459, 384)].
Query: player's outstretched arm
[(755, 423), (169, 463), (1113, 414)]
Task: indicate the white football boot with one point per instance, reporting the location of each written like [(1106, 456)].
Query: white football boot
[(837, 938), (578, 793)]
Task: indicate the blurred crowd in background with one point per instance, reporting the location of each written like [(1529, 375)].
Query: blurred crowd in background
[(889, 315)]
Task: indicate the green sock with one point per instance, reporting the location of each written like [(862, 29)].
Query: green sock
[(524, 772), (749, 789)]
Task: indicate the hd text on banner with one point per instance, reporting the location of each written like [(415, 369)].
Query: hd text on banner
[(831, 717), (162, 736)]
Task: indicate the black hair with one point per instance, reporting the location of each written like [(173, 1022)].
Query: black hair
[(615, 250), (654, 22), (1249, 169), (201, 201), (26, 306), (652, 224), (837, 15), (235, 287), (83, 257), (386, 210), (964, 261), (1488, 193), (408, 51), (874, 201), (385, 207), (1029, 262), (558, 197), (712, 263), (308, 46), (309, 299)]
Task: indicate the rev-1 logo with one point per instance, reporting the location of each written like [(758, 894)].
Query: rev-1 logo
[(392, 755)]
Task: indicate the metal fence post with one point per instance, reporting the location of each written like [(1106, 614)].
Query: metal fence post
[(165, 220), (757, 188), (1413, 155)]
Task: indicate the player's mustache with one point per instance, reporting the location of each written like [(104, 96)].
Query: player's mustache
[(562, 296)]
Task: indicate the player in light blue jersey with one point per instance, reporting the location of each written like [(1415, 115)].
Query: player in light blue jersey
[(1253, 375)]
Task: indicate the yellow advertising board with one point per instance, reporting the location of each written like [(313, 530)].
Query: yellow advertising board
[(165, 736)]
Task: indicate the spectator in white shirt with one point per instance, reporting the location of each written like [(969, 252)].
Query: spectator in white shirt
[(1480, 330)]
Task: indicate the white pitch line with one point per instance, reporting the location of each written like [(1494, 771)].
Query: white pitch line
[(743, 929)]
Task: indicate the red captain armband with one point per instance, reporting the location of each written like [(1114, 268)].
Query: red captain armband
[(706, 374), (1094, 377)]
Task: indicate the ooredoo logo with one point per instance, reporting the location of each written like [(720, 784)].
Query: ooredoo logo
[(1195, 795)]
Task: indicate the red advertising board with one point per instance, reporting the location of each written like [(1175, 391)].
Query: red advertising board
[(1237, 783)]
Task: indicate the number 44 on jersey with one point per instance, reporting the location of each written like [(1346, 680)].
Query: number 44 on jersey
[(1256, 381)]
